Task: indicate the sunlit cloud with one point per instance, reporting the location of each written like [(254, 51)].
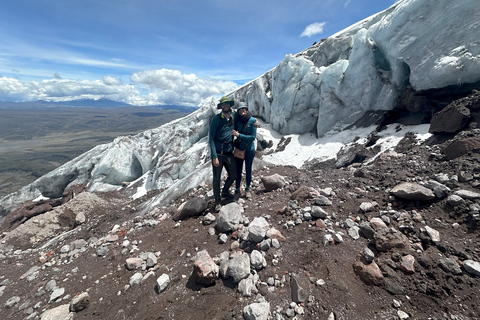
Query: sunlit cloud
[(168, 86), (313, 29), (151, 87)]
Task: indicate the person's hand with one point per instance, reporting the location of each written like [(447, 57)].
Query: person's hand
[(216, 163), (234, 133), (257, 124)]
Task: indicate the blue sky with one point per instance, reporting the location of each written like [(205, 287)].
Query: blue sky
[(147, 52)]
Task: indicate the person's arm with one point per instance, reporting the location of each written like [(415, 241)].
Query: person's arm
[(211, 137), (253, 129)]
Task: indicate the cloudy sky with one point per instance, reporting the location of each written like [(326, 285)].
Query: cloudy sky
[(149, 52)]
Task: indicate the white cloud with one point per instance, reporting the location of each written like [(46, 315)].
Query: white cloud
[(346, 3), (65, 90), (168, 86), (312, 29), (151, 87)]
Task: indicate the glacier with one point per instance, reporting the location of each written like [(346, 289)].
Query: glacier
[(416, 46)]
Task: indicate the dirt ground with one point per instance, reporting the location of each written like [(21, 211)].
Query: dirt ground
[(428, 293)]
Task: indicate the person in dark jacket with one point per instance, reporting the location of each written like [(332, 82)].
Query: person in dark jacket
[(246, 132), (221, 150)]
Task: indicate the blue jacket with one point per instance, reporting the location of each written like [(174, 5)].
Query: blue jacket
[(247, 134), (220, 136)]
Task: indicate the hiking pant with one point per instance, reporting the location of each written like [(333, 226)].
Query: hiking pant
[(227, 161), (249, 155)]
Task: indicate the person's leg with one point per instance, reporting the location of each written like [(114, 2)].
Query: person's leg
[(249, 156), (239, 163), (217, 174), (230, 165)]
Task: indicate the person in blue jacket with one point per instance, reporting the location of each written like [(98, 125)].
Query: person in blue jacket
[(220, 140), (245, 133)]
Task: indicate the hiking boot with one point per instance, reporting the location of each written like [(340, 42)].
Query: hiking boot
[(238, 194), (248, 194), (227, 195), (217, 207)]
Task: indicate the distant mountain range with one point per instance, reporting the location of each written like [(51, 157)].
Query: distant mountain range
[(86, 103)]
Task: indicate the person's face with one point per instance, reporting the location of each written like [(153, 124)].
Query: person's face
[(242, 112), (225, 107)]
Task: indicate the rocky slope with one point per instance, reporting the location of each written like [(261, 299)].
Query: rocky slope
[(367, 236)]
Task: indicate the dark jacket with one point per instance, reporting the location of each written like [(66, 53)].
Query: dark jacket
[(247, 134), (220, 136)]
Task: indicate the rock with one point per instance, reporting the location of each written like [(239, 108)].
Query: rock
[(205, 270), (273, 182), (450, 265), (366, 230), (440, 190), (412, 191), (368, 206), (377, 223), (472, 267), (133, 263), (350, 154), (11, 302), (257, 260), (455, 200), (369, 273), (257, 229), (275, 234), (322, 200), (229, 217), (151, 260), (59, 313), (162, 283), (389, 238), (102, 251), (30, 272), (256, 311), (246, 286), (461, 147), (354, 232), (433, 234), (392, 286), (80, 302), (318, 212), (192, 208), (239, 267), (57, 293), (402, 315), (466, 194), (51, 285), (299, 287), (136, 279), (407, 264), (451, 119), (304, 193), (368, 254)]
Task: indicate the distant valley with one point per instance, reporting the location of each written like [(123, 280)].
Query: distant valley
[(37, 137)]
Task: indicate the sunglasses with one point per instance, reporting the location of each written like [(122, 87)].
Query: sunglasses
[(225, 104)]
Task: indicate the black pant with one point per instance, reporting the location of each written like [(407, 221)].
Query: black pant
[(227, 161)]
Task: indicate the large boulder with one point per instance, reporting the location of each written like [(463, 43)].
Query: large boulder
[(412, 191), (205, 270), (229, 217), (192, 208), (452, 119)]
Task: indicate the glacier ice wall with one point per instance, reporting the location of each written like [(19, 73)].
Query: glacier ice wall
[(425, 44)]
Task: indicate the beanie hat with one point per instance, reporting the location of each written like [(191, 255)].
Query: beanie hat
[(242, 105)]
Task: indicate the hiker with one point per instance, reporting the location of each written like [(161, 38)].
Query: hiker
[(221, 150), (245, 133)]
